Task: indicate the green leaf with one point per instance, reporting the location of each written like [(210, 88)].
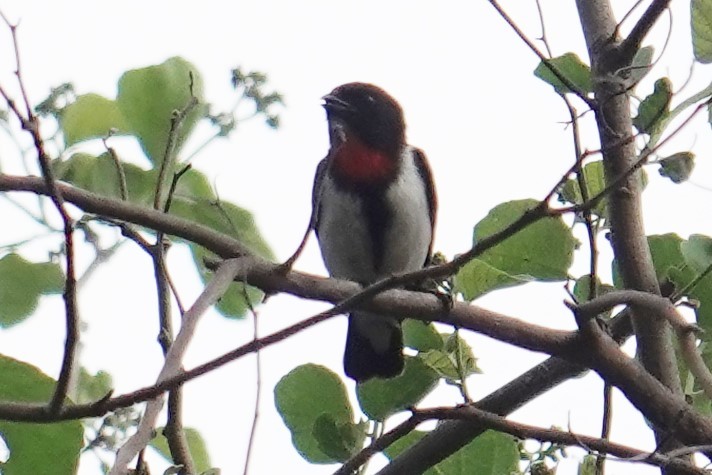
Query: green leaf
[(148, 97), (36, 448), (697, 252), (476, 278), (587, 465), (195, 201), (380, 398), (91, 388), (22, 284), (337, 439), (582, 288), (701, 15), (196, 445), (640, 66), (301, 397), (492, 453), (572, 68), (455, 361), (421, 336), (402, 444), (655, 108), (100, 175), (91, 116), (594, 178), (542, 251), (678, 166)]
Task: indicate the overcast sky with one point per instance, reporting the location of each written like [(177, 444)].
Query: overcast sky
[(492, 132)]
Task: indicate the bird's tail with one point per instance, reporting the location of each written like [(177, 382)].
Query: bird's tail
[(374, 347)]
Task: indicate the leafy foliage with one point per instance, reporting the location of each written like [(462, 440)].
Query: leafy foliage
[(36, 448)]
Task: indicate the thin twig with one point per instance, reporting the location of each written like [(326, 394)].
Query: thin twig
[(30, 123), (123, 188), (258, 380), (554, 70)]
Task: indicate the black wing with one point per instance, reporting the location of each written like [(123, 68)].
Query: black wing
[(421, 163)]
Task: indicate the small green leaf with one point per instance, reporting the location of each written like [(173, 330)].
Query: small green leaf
[(594, 178), (587, 466), (91, 388), (148, 97), (196, 445), (91, 116), (655, 108), (23, 283), (452, 363), (380, 398), (301, 397), (543, 251), (701, 16), (421, 336), (678, 166), (640, 66), (582, 288), (572, 68), (36, 448)]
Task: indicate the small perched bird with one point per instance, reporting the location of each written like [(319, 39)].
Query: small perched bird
[(374, 208)]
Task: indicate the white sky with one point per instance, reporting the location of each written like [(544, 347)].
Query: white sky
[(492, 132)]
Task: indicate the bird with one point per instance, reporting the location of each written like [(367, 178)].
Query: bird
[(373, 211)]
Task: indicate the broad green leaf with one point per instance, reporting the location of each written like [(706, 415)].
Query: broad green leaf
[(595, 182), (194, 200), (22, 283), (477, 277), (572, 68), (148, 97), (91, 116), (196, 444), (92, 387), (655, 108), (697, 252), (301, 397), (340, 440), (678, 166), (380, 398), (36, 448), (101, 175), (701, 16), (421, 336), (640, 66), (492, 453), (233, 303), (543, 251)]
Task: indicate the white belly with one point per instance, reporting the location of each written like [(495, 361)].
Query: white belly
[(344, 237)]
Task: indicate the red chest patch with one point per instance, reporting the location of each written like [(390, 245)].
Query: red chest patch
[(358, 163)]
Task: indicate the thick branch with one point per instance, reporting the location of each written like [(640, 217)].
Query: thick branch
[(628, 238)]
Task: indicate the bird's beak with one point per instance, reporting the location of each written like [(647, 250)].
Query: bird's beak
[(334, 104)]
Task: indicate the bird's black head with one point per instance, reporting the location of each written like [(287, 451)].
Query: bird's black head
[(370, 113)]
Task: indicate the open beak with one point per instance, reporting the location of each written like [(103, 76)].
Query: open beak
[(334, 104)]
